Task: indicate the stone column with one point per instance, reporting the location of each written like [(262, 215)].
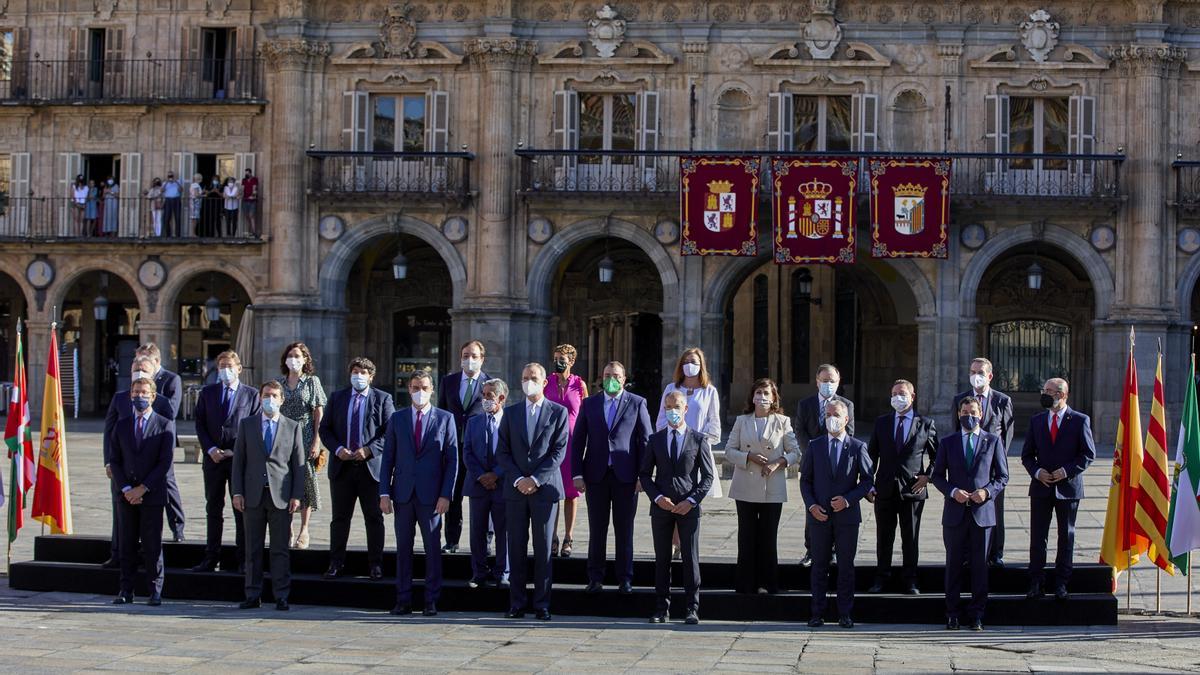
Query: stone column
[(162, 333)]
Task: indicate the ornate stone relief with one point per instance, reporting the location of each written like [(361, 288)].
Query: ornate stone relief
[(217, 8), (608, 46), (855, 55), (1039, 34), (822, 33), (104, 9), (397, 33), (606, 31)]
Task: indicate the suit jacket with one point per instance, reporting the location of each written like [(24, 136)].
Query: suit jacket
[(335, 427), (121, 407), (989, 471), (145, 463), (820, 481), (997, 416), (807, 424), (594, 447), (777, 441), (170, 389), (283, 468), (449, 400), (541, 459), (479, 458), (214, 428), (896, 469), (688, 477), (425, 473), (1073, 450)]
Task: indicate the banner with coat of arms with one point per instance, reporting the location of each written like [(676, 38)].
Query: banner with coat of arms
[(910, 207), (719, 203), (813, 203)]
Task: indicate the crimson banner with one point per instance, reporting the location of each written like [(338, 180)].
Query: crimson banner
[(910, 207), (813, 201), (719, 200)]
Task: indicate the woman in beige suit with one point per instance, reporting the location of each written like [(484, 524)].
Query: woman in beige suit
[(760, 448)]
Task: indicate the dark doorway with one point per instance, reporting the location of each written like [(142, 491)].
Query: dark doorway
[(645, 371), (421, 339), (217, 67)]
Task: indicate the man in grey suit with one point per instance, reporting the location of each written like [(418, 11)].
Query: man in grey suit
[(810, 423), (531, 447), (268, 482)]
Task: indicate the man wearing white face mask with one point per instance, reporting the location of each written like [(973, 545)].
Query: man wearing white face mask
[(810, 422), (996, 418), (461, 395), (170, 390)]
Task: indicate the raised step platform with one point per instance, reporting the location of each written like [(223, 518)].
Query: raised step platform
[(72, 564)]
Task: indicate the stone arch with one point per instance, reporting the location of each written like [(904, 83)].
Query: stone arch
[(335, 269), (110, 265), (1186, 287), (541, 273), (1098, 271), (9, 268), (178, 275)]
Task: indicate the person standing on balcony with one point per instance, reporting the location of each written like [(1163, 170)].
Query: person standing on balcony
[(112, 207), (233, 198), (250, 203), (155, 194), (79, 198), (210, 210), (91, 210), (196, 200), (172, 193)]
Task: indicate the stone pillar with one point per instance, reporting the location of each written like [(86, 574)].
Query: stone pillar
[(163, 334)]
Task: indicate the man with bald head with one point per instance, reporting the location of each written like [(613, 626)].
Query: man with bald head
[(1058, 448)]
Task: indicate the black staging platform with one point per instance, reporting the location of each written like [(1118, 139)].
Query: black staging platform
[(72, 564)]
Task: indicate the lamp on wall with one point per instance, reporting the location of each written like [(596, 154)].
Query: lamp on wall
[(212, 306), (399, 265), (1035, 274), (804, 287), (606, 267), (100, 304)]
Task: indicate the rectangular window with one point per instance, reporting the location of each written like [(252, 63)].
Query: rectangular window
[(1039, 126), (5, 172), (607, 122), (8, 47), (821, 123), (398, 123)]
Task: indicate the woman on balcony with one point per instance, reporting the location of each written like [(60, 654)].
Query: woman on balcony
[(568, 391), (233, 201), (154, 194), (79, 198), (304, 401), (195, 201), (91, 211), (210, 210), (112, 207)]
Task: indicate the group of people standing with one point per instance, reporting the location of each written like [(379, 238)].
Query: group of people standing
[(95, 208)]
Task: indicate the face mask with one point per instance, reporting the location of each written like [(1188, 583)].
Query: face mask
[(560, 366), (141, 375), (140, 403), (227, 375), (110, 181), (674, 417), (1047, 401), (979, 381), (490, 405), (419, 398), (827, 389), (834, 425), (968, 422), (762, 400), (359, 382), (900, 403), (295, 364), (270, 406), (612, 385), (691, 369), (471, 365), (531, 388)]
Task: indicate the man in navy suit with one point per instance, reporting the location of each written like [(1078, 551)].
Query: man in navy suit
[(460, 395), (170, 388), (219, 409), (971, 470), (902, 449), (1057, 450), (606, 451), (996, 418), (835, 475), (532, 445), (484, 486), (416, 480), (353, 428), (141, 447), (810, 423)]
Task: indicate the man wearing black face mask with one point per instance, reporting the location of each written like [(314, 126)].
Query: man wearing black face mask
[(1058, 448), (996, 416)]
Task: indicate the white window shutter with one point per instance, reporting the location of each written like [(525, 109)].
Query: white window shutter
[(864, 115), (185, 168), (18, 196), (131, 195), (780, 124), (355, 116), (648, 134), (70, 164), (437, 124), (243, 161), (565, 125), (1082, 131)]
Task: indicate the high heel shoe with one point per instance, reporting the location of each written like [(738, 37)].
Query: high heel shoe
[(302, 539), (554, 547), (566, 547), (291, 536)]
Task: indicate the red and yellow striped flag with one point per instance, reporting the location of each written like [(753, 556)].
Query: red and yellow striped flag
[(1121, 546), (1153, 507), (52, 489)]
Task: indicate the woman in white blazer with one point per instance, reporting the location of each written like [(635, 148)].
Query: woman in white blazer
[(760, 448)]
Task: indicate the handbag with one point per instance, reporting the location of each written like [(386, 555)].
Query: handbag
[(322, 459)]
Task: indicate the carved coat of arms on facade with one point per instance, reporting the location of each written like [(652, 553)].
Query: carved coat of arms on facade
[(1039, 34), (606, 32), (397, 33), (822, 33)]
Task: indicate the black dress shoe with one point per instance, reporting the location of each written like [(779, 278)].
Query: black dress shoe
[(254, 603), (846, 622), (1035, 591), (952, 623), (430, 610), (594, 587), (476, 582), (333, 572), (450, 548), (491, 582), (376, 573), (514, 613), (659, 617), (282, 605), (401, 609), (1061, 593), (543, 615), (111, 564), (626, 588), (178, 536), (123, 600), (976, 624), (876, 587), (206, 565), (692, 618), (911, 589), (155, 600), (996, 562), (806, 561), (816, 622)]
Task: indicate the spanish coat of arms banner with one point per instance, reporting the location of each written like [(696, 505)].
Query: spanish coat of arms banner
[(719, 203), (813, 203), (910, 207)]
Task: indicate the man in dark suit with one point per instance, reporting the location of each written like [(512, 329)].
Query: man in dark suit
[(996, 418), (353, 427), (170, 388), (902, 449), (810, 423), (971, 470), (607, 445), (835, 475), (484, 486), (1057, 450), (416, 480), (532, 445), (219, 409), (141, 449), (268, 483), (459, 394), (676, 473)]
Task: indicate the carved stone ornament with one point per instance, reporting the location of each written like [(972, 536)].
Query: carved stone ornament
[(104, 9), (822, 33), (283, 54), (397, 33), (1039, 35), (217, 8), (606, 32), (499, 52)]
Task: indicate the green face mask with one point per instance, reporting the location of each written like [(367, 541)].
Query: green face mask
[(612, 385)]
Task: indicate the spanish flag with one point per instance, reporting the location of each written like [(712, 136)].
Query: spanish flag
[(52, 489), (1154, 489), (1121, 545)]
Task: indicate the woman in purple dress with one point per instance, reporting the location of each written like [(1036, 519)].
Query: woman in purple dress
[(569, 391)]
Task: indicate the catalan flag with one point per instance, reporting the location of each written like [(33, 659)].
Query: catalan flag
[(52, 489), (1183, 527), (1153, 504), (19, 439), (1121, 546)]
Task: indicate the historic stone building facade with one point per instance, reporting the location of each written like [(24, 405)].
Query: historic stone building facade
[(519, 159)]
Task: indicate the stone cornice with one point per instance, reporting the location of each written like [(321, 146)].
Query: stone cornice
[(292, 54), (500, 52), (1158, 59)]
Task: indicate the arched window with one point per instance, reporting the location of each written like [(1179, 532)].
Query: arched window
[(1026, 353)]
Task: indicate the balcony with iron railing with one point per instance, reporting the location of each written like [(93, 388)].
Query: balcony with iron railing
[(134, 81), (423, 176), (49, 219)]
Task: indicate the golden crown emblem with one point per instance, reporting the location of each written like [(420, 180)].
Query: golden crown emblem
[(910, 190), (719, 186), (815, 189)]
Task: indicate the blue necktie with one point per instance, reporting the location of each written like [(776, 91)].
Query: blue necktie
[(138, 430), (490, 433), (612, 412), (835, 447), (356, 425), (900, 435), (226, 400), (269, 437)]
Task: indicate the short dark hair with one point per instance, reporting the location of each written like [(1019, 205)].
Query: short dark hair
[(363, 363), (968, 400), (764, 383), (270, 384), (422, 374)]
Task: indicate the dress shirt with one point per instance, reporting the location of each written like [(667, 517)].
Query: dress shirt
[(983, 399), (145, 417), (532, 410), (462, 386), (904, 420), (841, 439), (822, 404), (171, 189), (1055, 417), (362, 413)]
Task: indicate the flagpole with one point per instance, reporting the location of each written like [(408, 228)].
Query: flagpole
[(1128, 552), (1158, 591)]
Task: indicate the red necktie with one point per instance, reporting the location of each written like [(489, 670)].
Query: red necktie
[(1053, 427), (417, 432)]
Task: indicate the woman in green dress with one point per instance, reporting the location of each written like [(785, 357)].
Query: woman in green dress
[(303, 401)]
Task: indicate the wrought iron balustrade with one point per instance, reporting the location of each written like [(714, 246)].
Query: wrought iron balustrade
[(53, 219), (420, 175), (143, 81)]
